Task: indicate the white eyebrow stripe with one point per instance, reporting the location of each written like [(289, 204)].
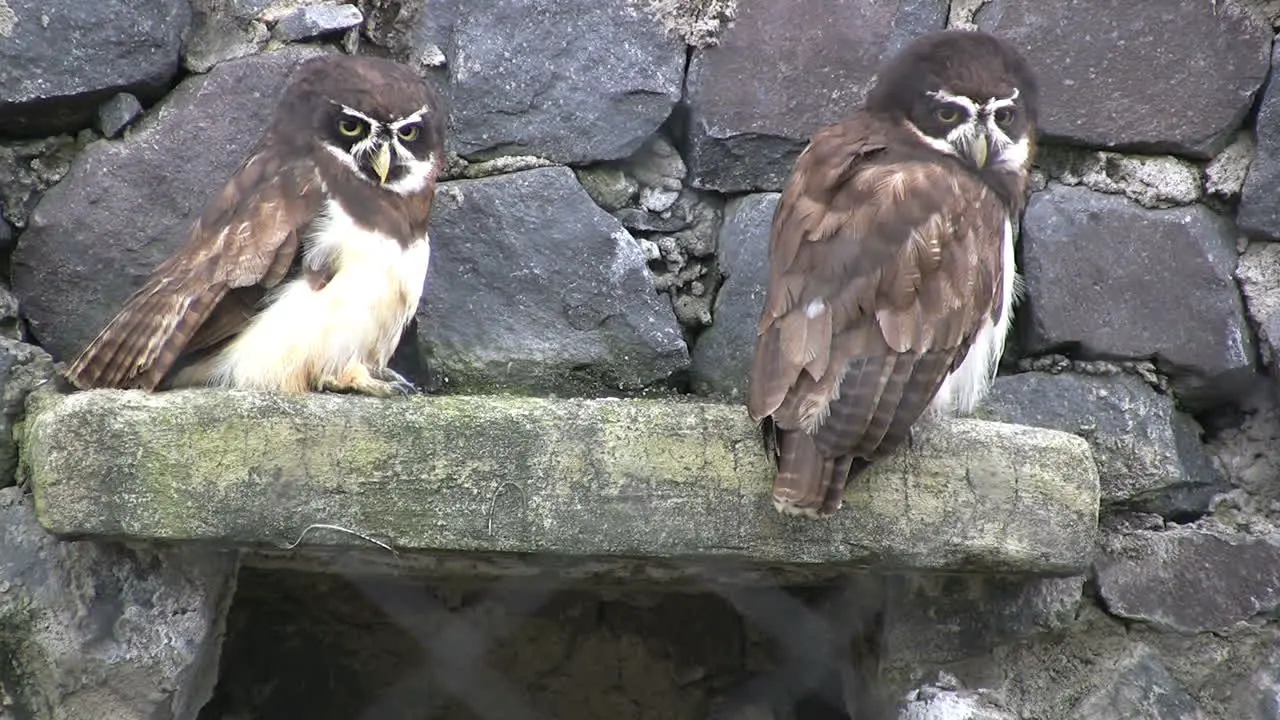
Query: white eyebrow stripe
[(415, 117), (961, 100), (357, 113), (997, 103)]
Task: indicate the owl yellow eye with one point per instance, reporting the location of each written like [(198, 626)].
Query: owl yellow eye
[(1004, 116), (947, 114), (350, 127), (408, 133)]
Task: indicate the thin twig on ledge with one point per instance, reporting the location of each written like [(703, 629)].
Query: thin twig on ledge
[(323, 526)]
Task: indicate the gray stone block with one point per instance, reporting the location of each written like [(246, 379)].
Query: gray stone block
[(573, 81), (93, 629), (666, 489), (117, 114), (1107, 82), (723, 353), (806, 63), (1189, 580), (1149, 454), (308, 22), (1111, 279), (60, 60), (534, 287), (1259, 212)]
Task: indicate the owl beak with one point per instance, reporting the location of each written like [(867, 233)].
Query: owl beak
[(382, 162), (978, 150)]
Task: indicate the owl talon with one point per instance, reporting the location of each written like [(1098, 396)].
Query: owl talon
[(382, 383), (398, 382)]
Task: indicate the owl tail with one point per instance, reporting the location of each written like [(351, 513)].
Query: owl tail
[(808, 483)]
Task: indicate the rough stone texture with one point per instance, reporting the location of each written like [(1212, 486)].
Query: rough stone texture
[(1112, 69), (802, 74), (59, 60), (1141, 689), (10, 322), (1225, 175), (570, 80), (1259, 276), (940, 618), (1155, 181), (585, 478), (532, 286), (1149, 454), (1257, 697), (29, 168), (1050, 678), (222, 31), (1246, 451), (1259, 213), (677, 226), (23, 368), (309, 22), (698, 22), (1114, 280), (722, 355), (1189, 580), (944, 701), (97, 630), (127, 204), (117, 113)]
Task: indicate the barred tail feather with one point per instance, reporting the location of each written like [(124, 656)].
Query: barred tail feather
[(805, 478)]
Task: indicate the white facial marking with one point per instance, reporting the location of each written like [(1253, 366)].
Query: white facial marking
[(994, 104), (358, 114), (814, 308), (343, 157), (418, 172), (941, 146), (1002, 151), (961, 100), (415, 117), (1013, 156)]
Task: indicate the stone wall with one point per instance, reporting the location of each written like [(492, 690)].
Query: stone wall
[(613, 169)]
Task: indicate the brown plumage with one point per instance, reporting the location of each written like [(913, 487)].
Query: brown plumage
[(888, 262), (264, 233)]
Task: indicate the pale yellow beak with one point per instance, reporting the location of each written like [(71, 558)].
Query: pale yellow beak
[(978, 150), (382, 162)]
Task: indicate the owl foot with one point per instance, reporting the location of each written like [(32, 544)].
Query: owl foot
[(402, 385), (381, 383)]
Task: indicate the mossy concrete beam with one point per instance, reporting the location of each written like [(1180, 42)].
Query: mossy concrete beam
[(571, 487)]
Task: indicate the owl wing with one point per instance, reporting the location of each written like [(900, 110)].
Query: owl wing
[(884, 265), (244, 243)]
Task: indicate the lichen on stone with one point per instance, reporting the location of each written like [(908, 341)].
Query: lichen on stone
[(964, 14), (698, 22), (1225, 174), (457, 167), (1153, 181), (29, 167)]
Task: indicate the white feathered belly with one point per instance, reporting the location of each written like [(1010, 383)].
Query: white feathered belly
[(306, 334), (965, 387)]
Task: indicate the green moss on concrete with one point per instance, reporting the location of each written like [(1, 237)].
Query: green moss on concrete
[(663, 479)]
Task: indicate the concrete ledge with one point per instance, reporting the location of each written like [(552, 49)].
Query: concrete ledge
[(579, 484)]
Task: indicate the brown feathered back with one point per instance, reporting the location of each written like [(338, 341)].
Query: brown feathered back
[(885, 262)]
